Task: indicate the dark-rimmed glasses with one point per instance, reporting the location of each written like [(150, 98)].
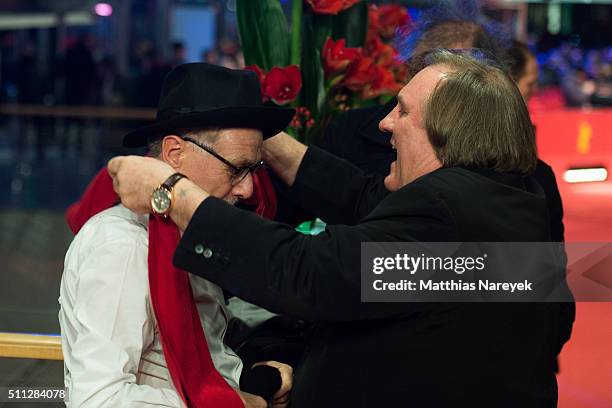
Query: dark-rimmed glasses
[(238, 173)]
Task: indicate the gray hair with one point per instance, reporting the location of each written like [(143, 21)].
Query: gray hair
[(207, 135), (476, 117)]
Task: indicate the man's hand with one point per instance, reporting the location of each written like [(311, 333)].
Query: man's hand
[(251, 401), (281, 397), (135, 178), (283, 154)]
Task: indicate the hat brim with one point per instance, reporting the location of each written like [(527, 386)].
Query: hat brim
[(270, 120)]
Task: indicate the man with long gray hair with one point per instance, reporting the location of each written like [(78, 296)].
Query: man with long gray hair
[(460, 176)]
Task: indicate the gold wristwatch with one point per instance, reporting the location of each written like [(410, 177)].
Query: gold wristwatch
[(162, 196)]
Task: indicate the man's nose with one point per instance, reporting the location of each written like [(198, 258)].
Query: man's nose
[(244, 189), (386, 124)]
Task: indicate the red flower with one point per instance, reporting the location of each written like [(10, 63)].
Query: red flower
[(282, 85), (330, 6), (360, 73), (383, 54), (384, 83), (390, 18), (336, 57), (370, 79), (302, 119), (373, 19)]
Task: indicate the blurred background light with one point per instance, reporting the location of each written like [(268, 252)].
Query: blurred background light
[(585, 175), (103, 9)]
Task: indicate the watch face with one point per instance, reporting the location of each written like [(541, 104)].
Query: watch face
[(160, 200)]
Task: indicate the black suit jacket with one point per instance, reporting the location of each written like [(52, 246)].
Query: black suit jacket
[(355, 137), (389, 354)]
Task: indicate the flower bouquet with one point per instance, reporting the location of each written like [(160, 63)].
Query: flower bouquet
[(334, 55)]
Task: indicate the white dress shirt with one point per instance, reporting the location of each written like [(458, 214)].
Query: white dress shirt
[(113, 356)]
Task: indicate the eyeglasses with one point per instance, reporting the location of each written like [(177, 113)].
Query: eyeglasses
[(238, 173)]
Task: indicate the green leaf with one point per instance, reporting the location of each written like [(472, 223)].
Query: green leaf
[(322, 25), (315, 32), (352, 25), (264, 34), (296, 31), (313, 90)]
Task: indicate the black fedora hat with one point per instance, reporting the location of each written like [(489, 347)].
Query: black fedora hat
[(200, 94)]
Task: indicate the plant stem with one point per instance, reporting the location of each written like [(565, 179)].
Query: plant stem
[(296, 31)]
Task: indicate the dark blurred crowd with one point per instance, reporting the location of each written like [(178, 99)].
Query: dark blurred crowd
[(584, 77), (84, 76)]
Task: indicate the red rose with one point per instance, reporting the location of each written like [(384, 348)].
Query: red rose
[(330, 6), (390, 18), (360, 73), (282, 85), (336, 57)]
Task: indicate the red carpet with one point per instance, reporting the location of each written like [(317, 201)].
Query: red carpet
[(585, 378), (570, 139)]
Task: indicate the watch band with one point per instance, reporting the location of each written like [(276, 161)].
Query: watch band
[(172, 180)]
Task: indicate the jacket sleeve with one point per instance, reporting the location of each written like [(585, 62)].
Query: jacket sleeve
[(555, 208), (292, 212), (344, 139), (310, 277), (546, 177), (335, 190)]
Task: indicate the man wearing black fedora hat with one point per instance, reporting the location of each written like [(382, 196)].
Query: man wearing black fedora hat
[(117, 346), (465, 150)]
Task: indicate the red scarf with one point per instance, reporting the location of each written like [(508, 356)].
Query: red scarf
[(193, 373)]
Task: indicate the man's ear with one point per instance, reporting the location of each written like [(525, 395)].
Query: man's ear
[(172, 150)]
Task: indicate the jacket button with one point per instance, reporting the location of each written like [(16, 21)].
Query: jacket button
[(207, 253), (198, 249)]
